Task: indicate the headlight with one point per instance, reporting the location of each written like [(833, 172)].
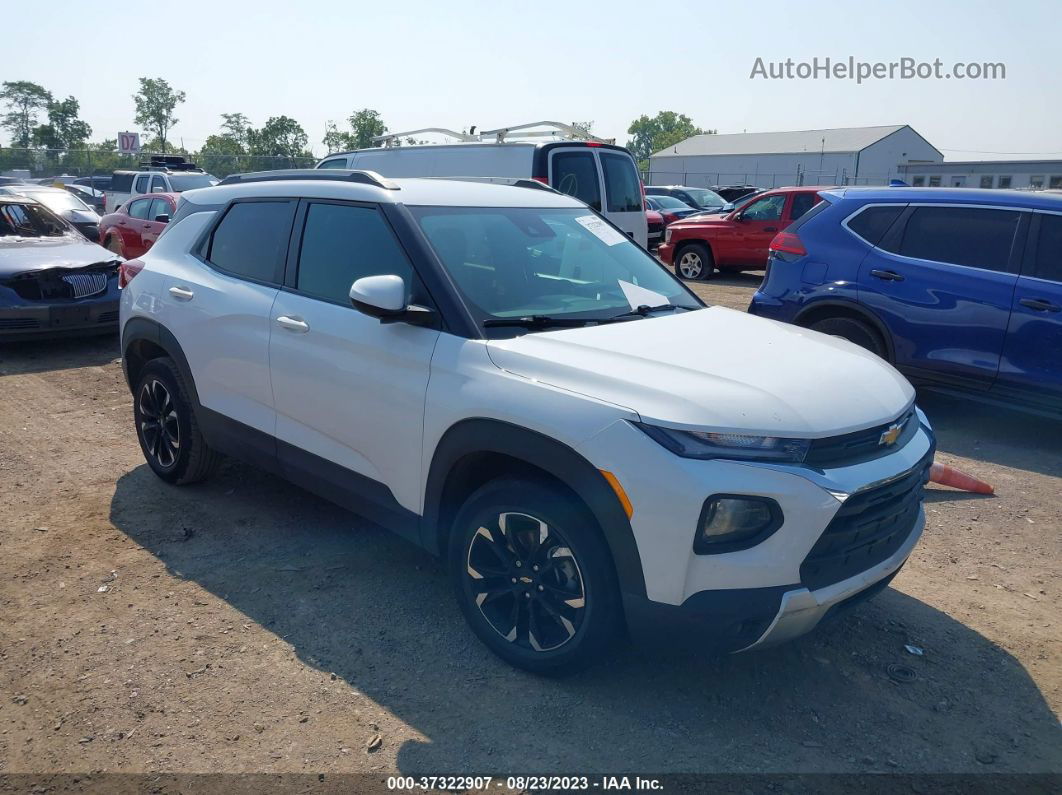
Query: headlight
[(730, 522), (703, 444), (667, 235)]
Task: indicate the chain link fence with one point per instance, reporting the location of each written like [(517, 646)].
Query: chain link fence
[(37, 164), (707, 179)]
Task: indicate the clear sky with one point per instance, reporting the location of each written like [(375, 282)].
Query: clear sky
[(500, 63)]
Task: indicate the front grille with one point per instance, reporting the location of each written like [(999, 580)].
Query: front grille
[(869, 528), (86, 284), (861, 445), (656, 229), (56, 284)]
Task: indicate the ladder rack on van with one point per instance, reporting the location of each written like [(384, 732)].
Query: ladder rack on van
[(561, 131)]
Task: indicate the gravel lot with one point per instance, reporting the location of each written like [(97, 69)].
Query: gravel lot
[(244, 625)]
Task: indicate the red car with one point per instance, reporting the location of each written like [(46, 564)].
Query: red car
[(132, 229), (737, 240), (656, 227)]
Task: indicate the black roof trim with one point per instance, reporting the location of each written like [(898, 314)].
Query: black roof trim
[(362, 177)]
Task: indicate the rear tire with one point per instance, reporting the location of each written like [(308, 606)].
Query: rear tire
[(856, 331), (534, 577), (167, 428), (694, 262)]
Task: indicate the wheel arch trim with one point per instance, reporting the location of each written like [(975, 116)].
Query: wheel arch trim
[(476, 437), (141, 328), (851, 308)]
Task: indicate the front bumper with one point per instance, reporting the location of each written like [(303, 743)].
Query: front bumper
[(666, 251), (781, 587), (41, 319)]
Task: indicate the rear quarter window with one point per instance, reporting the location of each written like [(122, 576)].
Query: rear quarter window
[(872, 222), (251, 240)]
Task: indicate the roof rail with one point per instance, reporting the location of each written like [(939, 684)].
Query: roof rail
[(362, 177), (390, 138), (560, 130), (515, 182)]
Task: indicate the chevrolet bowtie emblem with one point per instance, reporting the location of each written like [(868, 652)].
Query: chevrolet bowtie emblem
[(892, 434)]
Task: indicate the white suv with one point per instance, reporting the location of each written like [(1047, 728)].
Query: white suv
[(492, 372)]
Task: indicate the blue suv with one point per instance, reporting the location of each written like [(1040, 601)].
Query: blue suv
[(960, 289)]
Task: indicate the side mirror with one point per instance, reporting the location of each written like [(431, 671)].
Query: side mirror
[(384, 297), (162, 218), (158, 189)]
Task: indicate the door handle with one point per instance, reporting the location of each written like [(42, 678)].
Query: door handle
[(182, 293), (1039, 305), (770, 229), (889, 276), (294, 324)]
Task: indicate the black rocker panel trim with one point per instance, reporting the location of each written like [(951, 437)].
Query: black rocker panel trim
[(473, 437)]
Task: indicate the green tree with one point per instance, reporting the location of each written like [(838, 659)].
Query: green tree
[(236, 128), (281, 136), (64, 129), (365, 124), (24, 100), (155, 104), (335, 140), (666, 129)]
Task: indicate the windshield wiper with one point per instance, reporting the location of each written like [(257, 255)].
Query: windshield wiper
[(644, 310), (538, 321)]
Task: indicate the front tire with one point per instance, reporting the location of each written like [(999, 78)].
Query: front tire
[(167, 428), (534, 577), (694, 262)]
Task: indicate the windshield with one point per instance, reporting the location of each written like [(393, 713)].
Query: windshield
[(670, 202), (565, 264), (58, 201), (183, 182), (29, 220), (705, 198)]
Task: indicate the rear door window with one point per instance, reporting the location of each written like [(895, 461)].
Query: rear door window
[(252, 239), (623, 194), (575, 173), (802, 202), (1049, 249), (341, 243), (977, 237), (340, 162), (141, 184)]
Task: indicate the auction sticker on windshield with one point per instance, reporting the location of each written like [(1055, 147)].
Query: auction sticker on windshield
[(603, 231)]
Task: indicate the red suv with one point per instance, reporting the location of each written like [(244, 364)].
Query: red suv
[(738, 240), (132, 228)]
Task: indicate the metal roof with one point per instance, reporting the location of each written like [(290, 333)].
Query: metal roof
[(840, 139)]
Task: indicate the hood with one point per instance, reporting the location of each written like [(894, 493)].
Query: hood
[(717, 369), (706, 217), (21, 254)]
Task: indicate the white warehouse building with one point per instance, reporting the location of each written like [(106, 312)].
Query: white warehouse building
[(841, 156)]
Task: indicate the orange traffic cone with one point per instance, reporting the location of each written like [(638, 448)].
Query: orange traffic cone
[(948, 476)]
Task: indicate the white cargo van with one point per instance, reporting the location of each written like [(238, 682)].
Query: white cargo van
[(601, 174)]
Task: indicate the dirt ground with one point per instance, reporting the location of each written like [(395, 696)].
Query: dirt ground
[(244, 625)]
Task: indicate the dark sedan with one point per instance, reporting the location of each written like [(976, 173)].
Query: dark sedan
[(670, 208), (52, 280)]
